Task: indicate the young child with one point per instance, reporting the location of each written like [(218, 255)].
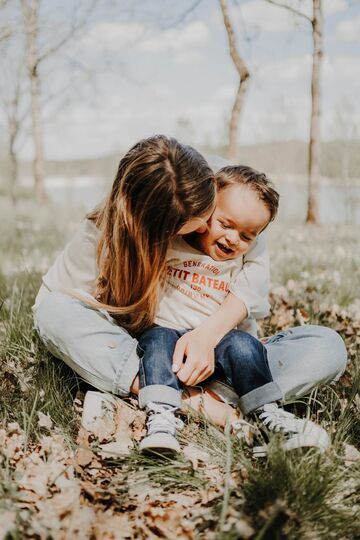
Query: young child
[(202, 269)]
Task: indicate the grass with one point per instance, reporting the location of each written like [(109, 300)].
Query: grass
[(228, 494)]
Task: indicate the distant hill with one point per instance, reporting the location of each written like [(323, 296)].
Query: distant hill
[(288, 157)]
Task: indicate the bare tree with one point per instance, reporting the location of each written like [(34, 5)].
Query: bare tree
[(10, 96), (316, 21), (5, 30), (11, 103), (244, 79), (34, 59), (30, 9)]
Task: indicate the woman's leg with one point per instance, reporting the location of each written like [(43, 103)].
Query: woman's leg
[(89, 341), (303, 357)]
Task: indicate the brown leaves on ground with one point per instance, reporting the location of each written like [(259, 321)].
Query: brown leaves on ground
[(61, 491)]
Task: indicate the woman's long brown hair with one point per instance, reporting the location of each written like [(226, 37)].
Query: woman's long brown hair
[(159, 186)]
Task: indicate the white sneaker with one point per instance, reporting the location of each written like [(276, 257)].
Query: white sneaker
[(161, 429), (300, 432)]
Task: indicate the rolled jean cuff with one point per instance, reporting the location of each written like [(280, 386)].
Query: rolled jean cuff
[(159, 393), (127, 373), (260, 396)]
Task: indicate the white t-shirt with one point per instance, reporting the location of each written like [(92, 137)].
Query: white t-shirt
[(195, 285)]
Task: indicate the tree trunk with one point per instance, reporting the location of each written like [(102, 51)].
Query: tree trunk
[(314, 144), (244, 76), (38, 163), (13, 175), (31, 15)]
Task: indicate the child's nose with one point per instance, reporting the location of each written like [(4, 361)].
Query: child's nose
[(232, 237)]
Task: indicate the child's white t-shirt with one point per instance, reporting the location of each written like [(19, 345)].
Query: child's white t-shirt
[(195, 285)]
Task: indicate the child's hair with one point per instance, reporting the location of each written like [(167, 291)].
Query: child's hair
[(159, 186), (258, 182)]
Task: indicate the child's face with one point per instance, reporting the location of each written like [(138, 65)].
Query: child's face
[(238, 218)]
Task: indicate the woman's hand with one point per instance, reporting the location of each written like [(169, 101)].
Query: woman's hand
[(197, 348)]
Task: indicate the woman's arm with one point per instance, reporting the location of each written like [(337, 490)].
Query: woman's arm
[(247, 298)]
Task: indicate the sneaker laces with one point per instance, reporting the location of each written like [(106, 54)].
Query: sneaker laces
[(162, 419), (299, 432), (277, 419)]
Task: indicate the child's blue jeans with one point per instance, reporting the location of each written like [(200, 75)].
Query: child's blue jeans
[(240, 361)]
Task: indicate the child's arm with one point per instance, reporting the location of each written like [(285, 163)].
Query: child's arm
[(252, 283), (247, 298)]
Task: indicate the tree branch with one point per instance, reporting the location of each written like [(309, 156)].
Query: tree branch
[(5, 33), (290, 8), (183, 16), (236, 58), (74, 28)]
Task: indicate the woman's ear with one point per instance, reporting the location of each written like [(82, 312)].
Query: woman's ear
[(203, 228)]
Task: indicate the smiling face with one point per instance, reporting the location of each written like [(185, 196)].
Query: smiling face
[(238, 218)]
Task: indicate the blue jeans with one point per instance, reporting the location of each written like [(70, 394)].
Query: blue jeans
[(240, 361), (105, 355)]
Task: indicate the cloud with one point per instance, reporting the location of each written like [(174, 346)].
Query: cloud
[(184, 41), (265, 17), (225, 92), (343, 68), (112, 36), (348, 29), (335, 6), (290, 70)]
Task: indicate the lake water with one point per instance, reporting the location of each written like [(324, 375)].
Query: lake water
[(337, 203)]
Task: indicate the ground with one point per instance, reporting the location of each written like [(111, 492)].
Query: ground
[(57, 484)]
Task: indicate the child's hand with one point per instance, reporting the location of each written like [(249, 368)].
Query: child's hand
[(198, 351)]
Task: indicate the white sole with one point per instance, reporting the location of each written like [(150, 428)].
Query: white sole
[(160, 443)]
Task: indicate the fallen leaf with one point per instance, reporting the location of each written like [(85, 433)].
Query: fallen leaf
[(7, 523), (195, 454), (44, 420), (112, 527), (351, 455), (84, 456)]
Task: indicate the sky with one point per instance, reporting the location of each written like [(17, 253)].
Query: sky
[(144, 67)]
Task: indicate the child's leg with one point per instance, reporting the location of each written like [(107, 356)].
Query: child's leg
[(241, 360), (303, 357), (90, 342), (160, 390), (158, 382)]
